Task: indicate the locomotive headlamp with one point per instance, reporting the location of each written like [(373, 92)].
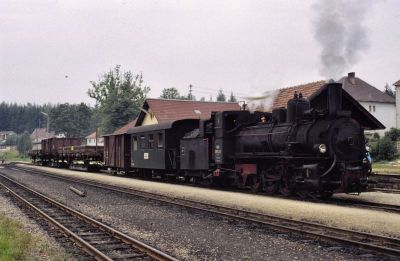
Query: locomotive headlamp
[(322, 148), (367, 147)]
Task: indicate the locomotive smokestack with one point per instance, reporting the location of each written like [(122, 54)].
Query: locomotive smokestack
[(334, 97)]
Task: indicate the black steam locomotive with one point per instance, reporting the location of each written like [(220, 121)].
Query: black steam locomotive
[(298, 150)]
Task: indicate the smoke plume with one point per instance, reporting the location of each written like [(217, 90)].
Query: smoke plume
[(261, 102), (339, 29)]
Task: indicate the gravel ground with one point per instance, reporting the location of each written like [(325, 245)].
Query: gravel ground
[(373, 221), (189, 234), (47, 248)]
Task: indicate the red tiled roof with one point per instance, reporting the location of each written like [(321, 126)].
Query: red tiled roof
[(286, 94), (170, 110), (397, 83), (125, 128)]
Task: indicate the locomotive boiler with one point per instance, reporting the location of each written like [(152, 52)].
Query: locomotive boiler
[(294, 150)]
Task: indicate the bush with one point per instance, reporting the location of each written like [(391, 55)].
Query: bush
[(384, 149), (393, 134)]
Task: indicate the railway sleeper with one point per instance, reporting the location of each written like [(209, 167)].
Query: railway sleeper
[(127, 256), (114, 247)]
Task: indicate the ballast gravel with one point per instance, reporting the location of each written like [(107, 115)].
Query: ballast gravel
[(185, 233), (364, 220)]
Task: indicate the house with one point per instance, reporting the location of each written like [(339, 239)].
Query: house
[(38, 135), (381, 107), (91, 139), (4, 135), (165, 110)]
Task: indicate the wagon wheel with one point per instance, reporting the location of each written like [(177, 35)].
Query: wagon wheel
[(206, 181)]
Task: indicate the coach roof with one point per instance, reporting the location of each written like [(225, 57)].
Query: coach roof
[(157, 127)]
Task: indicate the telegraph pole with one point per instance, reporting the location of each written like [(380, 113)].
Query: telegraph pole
[(190, 92)]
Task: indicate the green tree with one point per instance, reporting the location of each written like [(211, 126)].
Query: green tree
[(24, 143), (71, 119), (393, 134), (221, 96), (119, 97), (170, 93), (232, 98), (384, 149), (11, 140), (389, 91)]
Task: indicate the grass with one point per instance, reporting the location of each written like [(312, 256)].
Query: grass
[(15, 243), (385, 167), (13, 155)]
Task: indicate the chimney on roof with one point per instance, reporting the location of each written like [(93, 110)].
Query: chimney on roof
[(352, 77)]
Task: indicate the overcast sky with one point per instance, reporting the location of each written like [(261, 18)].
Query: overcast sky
[(242, 46)]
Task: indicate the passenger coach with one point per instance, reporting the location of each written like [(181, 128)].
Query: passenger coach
[(155, 148)]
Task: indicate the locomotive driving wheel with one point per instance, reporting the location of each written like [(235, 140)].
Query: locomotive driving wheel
[(325, 194), (270, 180), (287, 183)]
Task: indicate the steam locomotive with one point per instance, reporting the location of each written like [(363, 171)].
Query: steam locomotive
[(294, 150)]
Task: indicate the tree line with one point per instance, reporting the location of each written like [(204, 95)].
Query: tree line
[(71, 119)]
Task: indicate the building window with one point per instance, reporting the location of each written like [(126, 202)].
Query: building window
[(159, 140), (370, 108), (134, 142), (151, 141), (373, 108)]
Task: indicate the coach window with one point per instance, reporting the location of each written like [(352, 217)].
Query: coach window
[(134, 139), (159, 140), (142, 142), (151, 141)]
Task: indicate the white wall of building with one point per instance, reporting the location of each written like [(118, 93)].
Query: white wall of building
[(92, 142), (384, 112)]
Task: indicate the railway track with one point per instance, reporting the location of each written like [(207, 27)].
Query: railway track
[(388, 183), (95, 238), (335, 201), (381, 244)]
